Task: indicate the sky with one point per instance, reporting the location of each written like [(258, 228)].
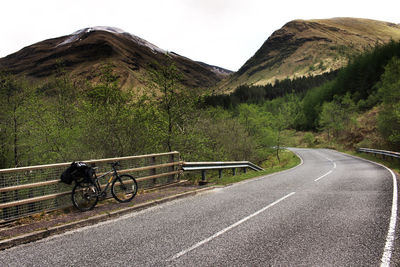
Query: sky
[(225, 33)]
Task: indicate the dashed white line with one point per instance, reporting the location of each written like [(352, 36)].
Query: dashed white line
[(326, 174), (183, 252)]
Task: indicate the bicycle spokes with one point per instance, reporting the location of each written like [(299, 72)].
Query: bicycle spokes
[(84, 196), (124, 188)]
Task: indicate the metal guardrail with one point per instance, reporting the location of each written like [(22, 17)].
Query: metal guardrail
[(204, 166), (34, 189), (384, 153)]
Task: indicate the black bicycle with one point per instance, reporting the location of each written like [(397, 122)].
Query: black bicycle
[(86, 193)]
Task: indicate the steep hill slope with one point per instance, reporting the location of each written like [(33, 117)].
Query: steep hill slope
[(82, 52), (303, 47)]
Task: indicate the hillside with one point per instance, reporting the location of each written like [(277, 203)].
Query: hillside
[(311, 47), (82, 52)]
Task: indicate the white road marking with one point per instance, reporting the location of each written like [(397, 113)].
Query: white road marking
[(326, 174), (183, 252), (387, 251)]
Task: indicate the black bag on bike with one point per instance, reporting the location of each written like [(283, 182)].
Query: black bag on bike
[(78, 172)]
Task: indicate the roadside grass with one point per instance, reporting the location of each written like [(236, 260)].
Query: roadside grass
[(271, 165)]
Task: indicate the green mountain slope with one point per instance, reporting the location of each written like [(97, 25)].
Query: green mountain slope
[(311, 47)]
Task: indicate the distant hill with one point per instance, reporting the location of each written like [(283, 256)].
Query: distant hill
[(311, 47), (82, 52)]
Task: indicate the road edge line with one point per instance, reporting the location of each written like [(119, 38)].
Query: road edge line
[(390, 237)]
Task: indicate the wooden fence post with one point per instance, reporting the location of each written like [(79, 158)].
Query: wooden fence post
[(172, 168), (153, 171)]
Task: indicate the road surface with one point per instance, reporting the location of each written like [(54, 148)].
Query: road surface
[(332, 210)]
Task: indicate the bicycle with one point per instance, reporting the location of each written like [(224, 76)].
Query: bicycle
[(86, 193)]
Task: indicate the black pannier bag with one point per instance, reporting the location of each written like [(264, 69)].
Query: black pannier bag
[(78, 172)]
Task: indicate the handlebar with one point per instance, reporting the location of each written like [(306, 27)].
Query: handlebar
[(115, 164)]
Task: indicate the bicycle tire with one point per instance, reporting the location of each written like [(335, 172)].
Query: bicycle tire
[(124, 188), (84, 196)]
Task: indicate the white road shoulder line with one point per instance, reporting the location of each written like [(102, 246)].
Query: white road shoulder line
[(387, 251), (183, 252)]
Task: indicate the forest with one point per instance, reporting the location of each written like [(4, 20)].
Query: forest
[(65, 120), (355, 106), (258, 94)]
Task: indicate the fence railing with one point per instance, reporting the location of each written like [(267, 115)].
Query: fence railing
[(34, 189), (384, 153), (204, 166)]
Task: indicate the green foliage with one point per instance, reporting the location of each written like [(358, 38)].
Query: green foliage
[(336, 116), (13, 120), (260, 94), (312, 104), (309, 139), (60, 122), (176, 105), (361, 75), (389, 116), (359, 81)]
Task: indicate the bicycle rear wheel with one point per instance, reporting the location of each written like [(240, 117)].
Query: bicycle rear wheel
[(124, 188), (84, 196)]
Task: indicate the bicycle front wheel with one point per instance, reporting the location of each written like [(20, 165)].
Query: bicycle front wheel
[(85, 196), (124, 188)]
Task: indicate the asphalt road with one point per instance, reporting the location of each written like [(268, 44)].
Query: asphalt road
[(333, 210)]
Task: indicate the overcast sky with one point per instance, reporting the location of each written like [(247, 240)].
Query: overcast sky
[(219, 32)]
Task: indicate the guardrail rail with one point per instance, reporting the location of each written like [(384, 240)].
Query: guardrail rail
[(384, 153), (219, 165), (34, 189)]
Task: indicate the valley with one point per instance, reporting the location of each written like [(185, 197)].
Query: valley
[(317, 79)]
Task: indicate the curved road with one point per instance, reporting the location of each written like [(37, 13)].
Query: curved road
[(332, 210)]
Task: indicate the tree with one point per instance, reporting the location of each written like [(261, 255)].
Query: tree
[(106, 116), (337, 116), (176, 104), (389, 116), (330, 118), (13, 119), (257, 122), (285, 117), (54, 122)]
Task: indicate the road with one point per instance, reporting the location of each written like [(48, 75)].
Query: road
[(332, 210)]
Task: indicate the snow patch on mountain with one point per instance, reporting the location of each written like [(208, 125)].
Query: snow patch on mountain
[(76, 36)]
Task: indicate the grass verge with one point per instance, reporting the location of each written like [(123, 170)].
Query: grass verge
[(287, 160)]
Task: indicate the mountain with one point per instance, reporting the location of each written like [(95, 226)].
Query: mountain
[(311, 47), (83, 52)]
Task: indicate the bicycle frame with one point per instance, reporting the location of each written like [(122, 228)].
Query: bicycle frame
[(97, 183), (86, 195)]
